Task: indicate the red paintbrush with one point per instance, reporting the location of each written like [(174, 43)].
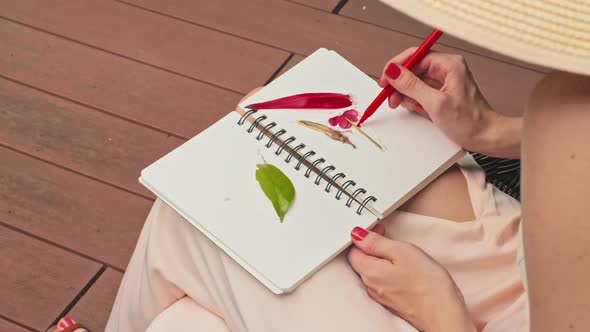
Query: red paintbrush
[(410, 62)]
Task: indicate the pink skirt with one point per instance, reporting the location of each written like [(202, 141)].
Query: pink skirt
[(177, 280)]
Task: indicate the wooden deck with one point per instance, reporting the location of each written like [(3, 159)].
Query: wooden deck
[(93, 91)]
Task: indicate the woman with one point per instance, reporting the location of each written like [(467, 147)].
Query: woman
[(444, 262), (178, 280)]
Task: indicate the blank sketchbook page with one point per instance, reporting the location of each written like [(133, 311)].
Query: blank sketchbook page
[(210, 180), (416, 151)]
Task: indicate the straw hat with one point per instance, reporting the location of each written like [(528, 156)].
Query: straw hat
[(550, 33)]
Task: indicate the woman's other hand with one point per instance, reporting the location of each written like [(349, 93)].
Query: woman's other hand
[(408, 282), (442, 86)]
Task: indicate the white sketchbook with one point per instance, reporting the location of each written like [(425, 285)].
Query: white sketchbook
[(210, 180)]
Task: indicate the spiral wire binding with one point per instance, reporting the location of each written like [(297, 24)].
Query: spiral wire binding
[(265, 130), (322, 173), (307, 154), (256, 122), (303, 157), (344, 186), (295, 149), (503, 174), (333, 180), (285, 143), (314, 165), (274, 137)]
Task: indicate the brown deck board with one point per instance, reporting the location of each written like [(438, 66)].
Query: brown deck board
[(78, 213), (181, 47), (6, 326), (73, 136), (108, 82), (327, 5), (38, 280), (295, 59), (376, 12), (94, 307), (365, 45)]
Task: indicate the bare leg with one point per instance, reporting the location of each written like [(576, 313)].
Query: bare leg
[(446, 197), (186, 315), (556, 189)]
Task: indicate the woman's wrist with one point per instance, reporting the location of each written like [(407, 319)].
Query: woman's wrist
[(451, 313), (500, 136)]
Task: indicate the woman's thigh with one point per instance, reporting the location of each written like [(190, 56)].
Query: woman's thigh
[(447, 197), (185, 315), (334, 298)]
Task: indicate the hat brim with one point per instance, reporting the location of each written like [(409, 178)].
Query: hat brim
[(490, 38)]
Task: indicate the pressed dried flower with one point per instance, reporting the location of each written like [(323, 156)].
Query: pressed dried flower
[(333, 134), (342, 120)]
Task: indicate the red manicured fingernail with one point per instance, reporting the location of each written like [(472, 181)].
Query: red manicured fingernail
[(64, 323), (392, 71), (358, 233), (418, 106)]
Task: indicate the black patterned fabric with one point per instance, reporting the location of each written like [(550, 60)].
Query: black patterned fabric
[(504, 174)]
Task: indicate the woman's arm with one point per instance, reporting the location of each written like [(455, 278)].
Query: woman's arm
[(556, 197), (442, 86), (501, 138)]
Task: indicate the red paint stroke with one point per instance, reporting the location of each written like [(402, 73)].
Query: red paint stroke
[(321, 100), (340, 120)]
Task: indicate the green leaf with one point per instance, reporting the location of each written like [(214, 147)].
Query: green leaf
[(277, 187)]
